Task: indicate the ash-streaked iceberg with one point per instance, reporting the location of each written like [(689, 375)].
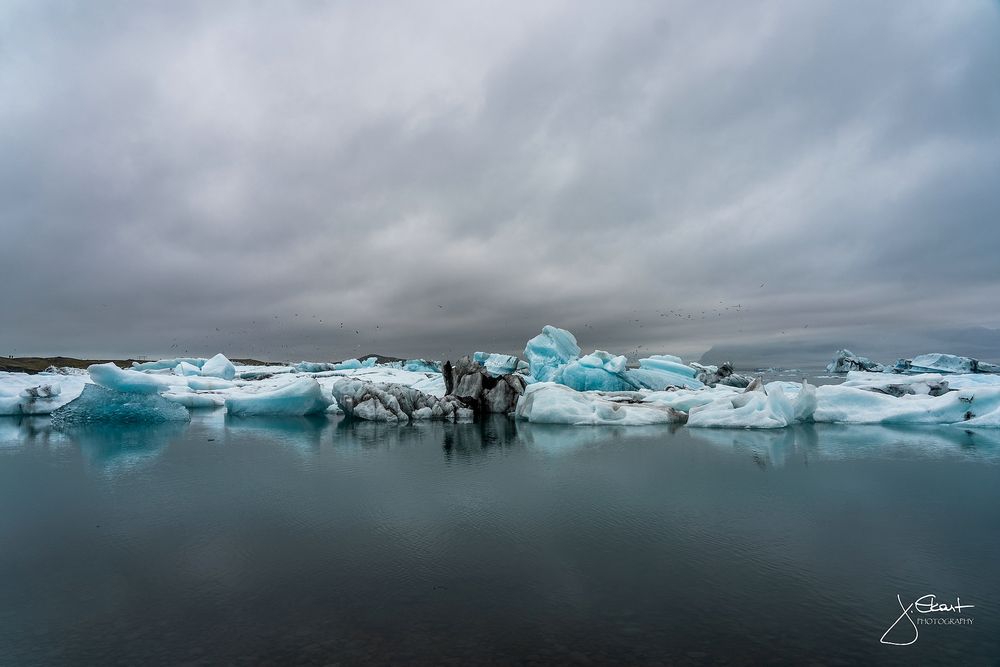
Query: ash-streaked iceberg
[(845, 361), (938, 362), (385, 402), (303, 396), (98, 404)]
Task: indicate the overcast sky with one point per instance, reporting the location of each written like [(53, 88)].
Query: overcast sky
[(445, 177)]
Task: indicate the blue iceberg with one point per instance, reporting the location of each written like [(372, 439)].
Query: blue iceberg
[(554, 356), (100, 404)]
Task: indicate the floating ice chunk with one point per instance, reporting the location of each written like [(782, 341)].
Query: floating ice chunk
[(192, 400), (845, 361), (551, 403), (599, 371), (302, 397), (99, 404), (944, 363), (548, 352), (313, 367), (497, 364), (209, 384), (685, 400), (111, 377), (369, 362), (167, 364), (385, 402), (757, 407), (37, 400), (668, 363), (186, 369), (421, 366), (724, 375), (853, 405), (219, 367), (553, 356), (660, 371)]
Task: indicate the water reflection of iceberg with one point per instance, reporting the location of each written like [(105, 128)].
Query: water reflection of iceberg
[(767, 447), (123, 448), (558, 439), (846, 441), (29, 430), (305, 434)]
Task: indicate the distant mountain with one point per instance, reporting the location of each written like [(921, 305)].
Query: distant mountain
[(977, 342)]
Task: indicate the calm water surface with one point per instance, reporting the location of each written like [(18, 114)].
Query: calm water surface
[(302, 541)]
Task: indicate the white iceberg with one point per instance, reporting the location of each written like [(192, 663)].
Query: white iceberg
[(191, 400), (167, 364), (186, 369), (853, 405), (209, 384), (219, 367), (759, 406), (938, 362), (304, 396), (551, 403), (496, 364)]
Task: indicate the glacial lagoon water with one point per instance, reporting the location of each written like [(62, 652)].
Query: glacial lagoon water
[(322, 541)]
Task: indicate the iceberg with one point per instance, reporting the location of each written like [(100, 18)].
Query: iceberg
[(167, 364), (369, 362), (190, 399), (304, 396), (552, 403), (944, 363), (421, 366), (40, 399), (548, 352), (468, 381), (496, 364), (725, 375), (856, 405), (209, 384), (186, 369), (100, 404), (845, 361), (385, 402), (553, 356), (111, 377), (220, 367), (759, 406)]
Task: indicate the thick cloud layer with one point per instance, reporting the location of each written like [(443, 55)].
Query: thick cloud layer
[(319, 180)]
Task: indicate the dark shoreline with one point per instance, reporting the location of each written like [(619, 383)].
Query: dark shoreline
[(32, 365)]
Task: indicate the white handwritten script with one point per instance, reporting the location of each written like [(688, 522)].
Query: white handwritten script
[(927, 604)]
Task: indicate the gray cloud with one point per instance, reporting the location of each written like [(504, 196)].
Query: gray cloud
[(443, 178)]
